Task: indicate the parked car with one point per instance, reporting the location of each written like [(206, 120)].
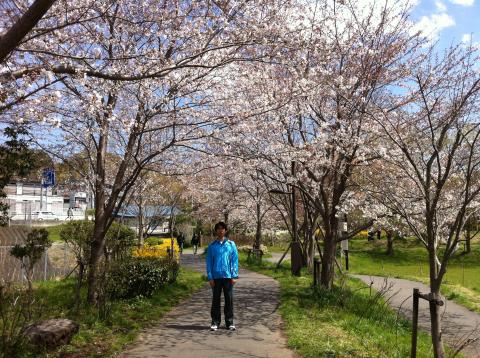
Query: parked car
[(44, 215)]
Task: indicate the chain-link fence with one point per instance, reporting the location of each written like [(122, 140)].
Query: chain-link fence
[(56, 262)]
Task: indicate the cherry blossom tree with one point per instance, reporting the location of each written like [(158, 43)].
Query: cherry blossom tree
[(22, 25), (214, 189), (133, 83), (429, 179), (29, 31), (313, 108)]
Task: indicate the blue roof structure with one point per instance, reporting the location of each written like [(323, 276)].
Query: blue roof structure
[(132, 211)]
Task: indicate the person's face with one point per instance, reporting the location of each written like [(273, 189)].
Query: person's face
[(221, 232)]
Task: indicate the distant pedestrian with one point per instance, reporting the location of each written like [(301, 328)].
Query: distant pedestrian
[(180, 241), (222, 273), (195, 242)]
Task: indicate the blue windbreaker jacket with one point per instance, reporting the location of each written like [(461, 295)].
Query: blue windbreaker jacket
[(222, 260)]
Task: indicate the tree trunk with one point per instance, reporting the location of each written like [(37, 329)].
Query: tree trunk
[(468, 238), (29, 274), (171, 222), (310, 251), (100, 225), (23, 26), (95, 254), (389, 242), (258, 232), (436, 329), (435, 282), (225, 217), (328, 261), (81, 271), (140, 223)]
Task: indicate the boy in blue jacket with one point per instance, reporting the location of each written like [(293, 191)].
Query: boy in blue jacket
[(222, 273)]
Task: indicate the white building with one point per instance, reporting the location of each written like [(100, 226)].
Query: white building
[(27, 199)]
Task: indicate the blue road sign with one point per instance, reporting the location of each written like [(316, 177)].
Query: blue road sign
[(48, 177)]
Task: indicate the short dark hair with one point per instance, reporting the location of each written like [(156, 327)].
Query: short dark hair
[(220, 224)]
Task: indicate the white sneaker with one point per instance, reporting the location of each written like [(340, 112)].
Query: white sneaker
[(213, 327), (231, 328)]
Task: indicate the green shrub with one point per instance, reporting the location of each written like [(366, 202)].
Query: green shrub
[(90, 212), (119, 241), (152, 241), (34, 247), (173, 269), (136, 276), (79, 234)]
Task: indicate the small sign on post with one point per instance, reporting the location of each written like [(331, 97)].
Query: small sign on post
[(48, 177)]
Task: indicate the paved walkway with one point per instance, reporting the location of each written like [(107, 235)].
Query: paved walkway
[(184, 331), (458, 323)]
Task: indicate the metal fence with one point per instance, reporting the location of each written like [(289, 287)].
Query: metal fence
[(56, 262)]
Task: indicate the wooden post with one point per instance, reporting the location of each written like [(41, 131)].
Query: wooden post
[(416, 294)]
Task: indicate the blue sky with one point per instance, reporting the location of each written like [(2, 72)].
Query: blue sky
[(449, 20)]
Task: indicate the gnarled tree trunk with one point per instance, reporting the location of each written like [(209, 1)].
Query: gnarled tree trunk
[(389, 242), (468, 242), (328, 261)]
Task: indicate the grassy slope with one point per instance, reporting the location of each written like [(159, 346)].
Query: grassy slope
[(53, 232), (351, 321), (101, 338), (462, 281)]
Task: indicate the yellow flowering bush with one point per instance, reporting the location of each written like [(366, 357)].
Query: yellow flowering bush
[(363, 233), (158, 251)]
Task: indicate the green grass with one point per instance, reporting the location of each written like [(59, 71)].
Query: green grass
[(278, 249), (349, 321), (462, 280), (53, 232), (103, 337)]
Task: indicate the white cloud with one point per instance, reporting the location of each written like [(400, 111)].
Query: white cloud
[(440, 6), (466, 38), (463, 2), (432, 25)]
